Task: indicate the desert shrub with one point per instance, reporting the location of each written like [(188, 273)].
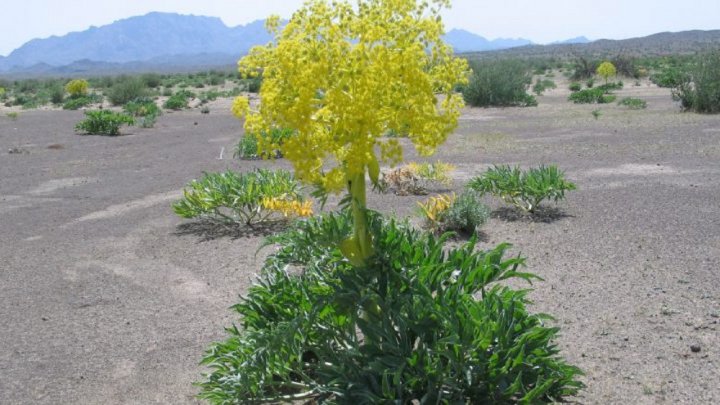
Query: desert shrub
[(177, 101), (523, 189), (151, 80), (77, 88), (575, 86), (142, 107), (3, 92), (699, 90), (103, 122), (590, 83), (591, 96), (596, 114), (57, 94), (499, 83), (625, 66), (633, 103), (418, 324), (147, 121), (248, 198), (247, 147), (669, 77), (252, 84), (13, 115), (542, 85), (583, 68), (126, 89), (205, 110), (77, 103)]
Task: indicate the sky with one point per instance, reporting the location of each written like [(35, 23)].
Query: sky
[(540, 21)]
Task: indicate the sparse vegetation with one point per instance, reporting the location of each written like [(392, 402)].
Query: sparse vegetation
[(246, 198), (542, 85), (272, 141), (591, 96), (103, 122), (126, 89), (633, 103), (575, 86), (523, 189)]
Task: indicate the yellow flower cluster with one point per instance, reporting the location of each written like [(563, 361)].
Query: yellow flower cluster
[(434, 208), (342, 75), (288, 208), (77, 87)]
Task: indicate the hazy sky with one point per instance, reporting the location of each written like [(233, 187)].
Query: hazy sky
[(541, 21)]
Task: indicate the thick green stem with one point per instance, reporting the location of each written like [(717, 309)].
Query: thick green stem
[(362, 239)]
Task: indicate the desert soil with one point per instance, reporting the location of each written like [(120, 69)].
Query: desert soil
[(107, 297)]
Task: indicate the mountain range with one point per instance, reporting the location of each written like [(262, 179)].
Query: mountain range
[(159, 39)]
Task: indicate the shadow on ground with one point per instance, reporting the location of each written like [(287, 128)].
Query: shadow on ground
[(208, 230), (543, 214)]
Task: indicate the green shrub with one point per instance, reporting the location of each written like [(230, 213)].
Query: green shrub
[(633, 103), (699, 90), (523, 189), (542, 85), (669, 77), (499, 83), (176, 102), (608, 87), (76, 103), (57, 94), (247, 147), (466, 214), (591, 96), (575, 86), (142, 107), (126, 89), (417, 324), (596, 113), (147, 121), (590, 83), (247, 198), (151, 80), (583, 68), (103, 122)]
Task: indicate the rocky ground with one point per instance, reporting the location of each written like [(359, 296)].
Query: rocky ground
[(107, 297)]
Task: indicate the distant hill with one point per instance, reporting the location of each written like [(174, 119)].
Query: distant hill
[(576, 40), (167, 41), (664, 43), (465, 41)]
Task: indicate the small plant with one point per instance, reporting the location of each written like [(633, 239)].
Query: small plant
[(590, 83), (205, 110), (542, 85), (147, 121), (523, 189), (247, 147), (13, 115), (575, 86), (248, 198), (633, 103), (591, 96), (434, 210), (77, 103), (466, 214), (606, 70), (103, 122), (596, 113), (142, 107), (77, 88), (176, 102)]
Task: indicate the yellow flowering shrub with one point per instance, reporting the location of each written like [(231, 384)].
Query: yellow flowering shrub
[(77, 87)]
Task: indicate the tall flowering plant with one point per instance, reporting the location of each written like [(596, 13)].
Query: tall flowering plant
[(342, 75)]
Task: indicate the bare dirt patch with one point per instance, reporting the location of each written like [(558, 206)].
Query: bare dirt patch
[(107, 297)]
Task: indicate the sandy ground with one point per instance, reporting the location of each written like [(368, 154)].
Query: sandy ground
[(105, 297)]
